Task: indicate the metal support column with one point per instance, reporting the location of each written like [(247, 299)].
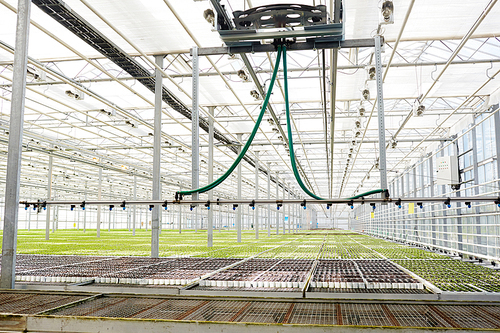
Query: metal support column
[(478, 238), (381, 116), (402, 194), (85, 211), (12, 186), (277, 211), (284, 211), (256, 207), (134, 217), (497, 139), (288, 209), (155, 221), (99, 208), (431, 193), (415, 220), (210, 225), (180, 219), (239, 209), (268, 197), (49, 197), (195, 131)]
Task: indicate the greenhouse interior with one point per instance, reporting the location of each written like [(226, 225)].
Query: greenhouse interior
[(244, 165)]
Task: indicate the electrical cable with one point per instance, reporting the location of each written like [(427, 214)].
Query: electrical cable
[(290, 142), (238, 159)]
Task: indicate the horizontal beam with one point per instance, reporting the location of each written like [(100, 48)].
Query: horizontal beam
[(309, 45), (334, 201), (260, 71)]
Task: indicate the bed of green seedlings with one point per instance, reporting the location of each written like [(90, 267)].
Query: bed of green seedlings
[(455, 275), (345, 247), (122, 243), (392, 250), (306, 250)]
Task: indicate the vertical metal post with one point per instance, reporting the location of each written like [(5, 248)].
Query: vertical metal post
[(288, 209), (476, 189), (401, 229), (28, 213), (110, 213), (415, 221), (256, 208), (85, 211), (49, 196), (284, 210), (497, 140), (431, 192), (180, 218), (155, 216), (268, 197), (458, 232), (210, 225), (443, 235), (239, 209), (12, 186), (497, 145), (277, 211), (195, 130), (408, 187), (134, 217), (99, 197), (381, 116)]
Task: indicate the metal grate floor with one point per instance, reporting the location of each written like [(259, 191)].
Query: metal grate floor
[(258, 311), (33, 303)]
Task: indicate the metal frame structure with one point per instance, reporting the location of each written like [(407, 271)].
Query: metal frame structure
[(122, 158)]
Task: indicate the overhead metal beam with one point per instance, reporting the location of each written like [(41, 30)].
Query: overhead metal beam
[(300, 46), (263, 70)]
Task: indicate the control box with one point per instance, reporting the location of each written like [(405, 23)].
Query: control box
[(447, 170)]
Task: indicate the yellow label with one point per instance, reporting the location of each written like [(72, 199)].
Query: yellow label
[(357, 217), (372, 215), (411, 208), (74, 225)]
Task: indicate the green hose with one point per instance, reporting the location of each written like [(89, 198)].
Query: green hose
[(249, 141), (254, 132), (290, 138), (290, 142)]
